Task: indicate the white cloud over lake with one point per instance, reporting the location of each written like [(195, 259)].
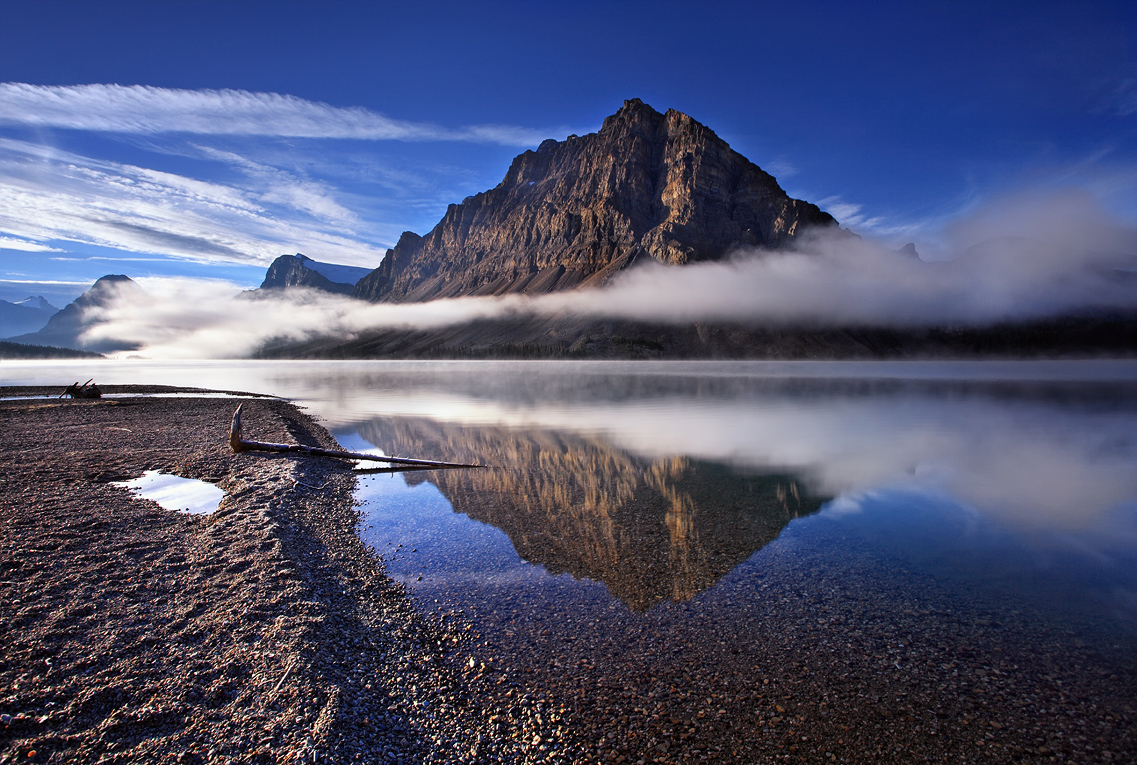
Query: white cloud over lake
[(1085, 262)]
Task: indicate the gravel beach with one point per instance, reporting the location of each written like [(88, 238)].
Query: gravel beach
[(268, 632), (265, 632)]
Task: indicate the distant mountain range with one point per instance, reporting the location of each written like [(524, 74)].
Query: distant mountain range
[(24, 316), (647, 187), (64, 328)]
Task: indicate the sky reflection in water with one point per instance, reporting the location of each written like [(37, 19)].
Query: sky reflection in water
[(1040, 456), (945, 556), (183, 495), (1030, 489)]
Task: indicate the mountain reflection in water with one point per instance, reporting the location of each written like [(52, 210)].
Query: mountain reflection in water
[(649, 529), (969, 595)]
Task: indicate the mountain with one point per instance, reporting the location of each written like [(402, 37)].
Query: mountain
[(301, 271), (574, 212), (37, 303), (63, 329), (651, 530), (909, 251), (24, 316)]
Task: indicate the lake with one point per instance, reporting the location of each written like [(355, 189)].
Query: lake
[(730, 561)]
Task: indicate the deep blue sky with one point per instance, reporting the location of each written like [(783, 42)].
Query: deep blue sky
[(897, 117)]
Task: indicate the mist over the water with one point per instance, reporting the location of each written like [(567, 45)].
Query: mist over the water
[(1028, 257)]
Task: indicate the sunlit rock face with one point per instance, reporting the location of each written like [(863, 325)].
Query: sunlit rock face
[(651, 530), (573, 213)]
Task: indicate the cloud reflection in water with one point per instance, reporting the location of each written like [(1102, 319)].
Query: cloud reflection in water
[(1058, 457)]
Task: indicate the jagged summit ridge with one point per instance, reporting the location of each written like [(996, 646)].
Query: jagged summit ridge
[(575, 212), (36, 302)]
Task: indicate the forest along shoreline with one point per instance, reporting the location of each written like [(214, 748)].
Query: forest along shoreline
[(264, 632)]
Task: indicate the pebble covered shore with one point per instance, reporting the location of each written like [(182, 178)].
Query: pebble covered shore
[(265, 632), (268, 632)]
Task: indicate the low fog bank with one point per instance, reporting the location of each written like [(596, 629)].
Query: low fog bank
[(1022, 259), (1040, 455), (1019, 259)]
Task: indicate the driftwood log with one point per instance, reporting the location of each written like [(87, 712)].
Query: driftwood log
[(86, 390), (239, 444)]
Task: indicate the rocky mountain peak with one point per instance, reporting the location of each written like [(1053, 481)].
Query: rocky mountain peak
[(909, 251), (105, 289), (65, 328), (573, 213), (37, 302), (633, 116), (299, 270), (104, 282), (24, 316)]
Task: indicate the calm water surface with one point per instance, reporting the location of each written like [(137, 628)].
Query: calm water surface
[(709, 558)]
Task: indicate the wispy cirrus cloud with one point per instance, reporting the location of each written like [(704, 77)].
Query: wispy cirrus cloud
[(848, 214), (143, 109), (24, 245), (1124, 98), (781, 168), (64, 282), (278, 186), (48, 194)]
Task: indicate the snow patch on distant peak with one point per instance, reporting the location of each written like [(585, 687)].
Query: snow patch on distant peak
[(37, 301), (335, 272)]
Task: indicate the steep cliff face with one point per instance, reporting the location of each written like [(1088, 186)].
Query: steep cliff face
[(301, 271), (575, 212)]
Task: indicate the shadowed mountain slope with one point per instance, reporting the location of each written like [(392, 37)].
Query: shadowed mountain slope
[(24, 316), (65, 329), (301, 271)]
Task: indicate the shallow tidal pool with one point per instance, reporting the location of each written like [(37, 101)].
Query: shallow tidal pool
[(174, 493)]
